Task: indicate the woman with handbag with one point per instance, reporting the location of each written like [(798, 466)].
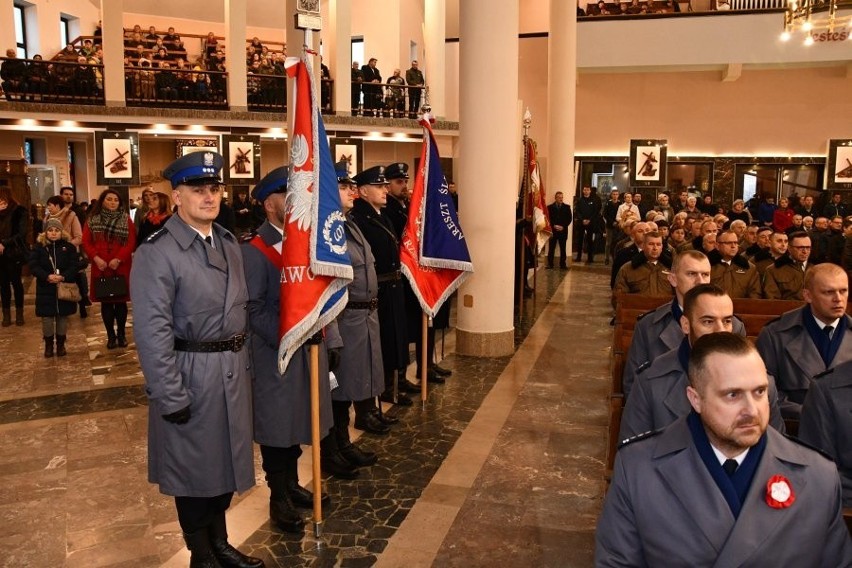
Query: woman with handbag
[(13, 254), (54, 264), (109, 238)]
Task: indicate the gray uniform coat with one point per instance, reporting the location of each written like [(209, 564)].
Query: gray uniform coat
[(827, 421), (184, 288), (361, 374), (282, 404), (659, 398), (664, 509), (792, 358), (655, 333)]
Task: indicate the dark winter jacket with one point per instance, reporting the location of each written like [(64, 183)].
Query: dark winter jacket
[(64, 255)]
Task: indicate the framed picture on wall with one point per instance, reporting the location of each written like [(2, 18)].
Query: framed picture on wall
[(117, 158), (184, 146), (839, 170), (349, 151), (242, 159), (648, 163)]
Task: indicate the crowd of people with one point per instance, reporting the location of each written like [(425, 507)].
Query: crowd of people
[(370, 96), (634, 7)]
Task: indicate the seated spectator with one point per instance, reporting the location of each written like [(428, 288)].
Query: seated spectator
[(256, 45), (146, 80), (634, 7), (137, 29), (602, 9), (158, 45), (13, 73), (152, 37), (166, 82), (209, 45), (171, 37), (84, 80), (39, 80), (160, 56), (88, 48), (134, 40)]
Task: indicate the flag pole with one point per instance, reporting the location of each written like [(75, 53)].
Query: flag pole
[(524, 189), (424, 355), (315, 440)]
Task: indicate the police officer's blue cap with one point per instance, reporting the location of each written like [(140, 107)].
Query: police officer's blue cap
[(273, 182), (195, 168), (397, 170), (342, 171), (372, 176)]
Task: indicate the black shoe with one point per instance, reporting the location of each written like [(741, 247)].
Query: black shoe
[(563, 267), (337, 466), (384, 417), (442, 371), (83, 313), (432, 377), (286, 517), (358, 457), (371, 423), (122, 341), (227, 555), (402, 399), (198, 543), (112, 343), (303, 498), (407, 386)]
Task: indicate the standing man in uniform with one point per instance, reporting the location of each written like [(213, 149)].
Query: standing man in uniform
[(588, 217), (379, 231), (282, 403), (560, 220), (718, 487), (360, 373), (190, 321)]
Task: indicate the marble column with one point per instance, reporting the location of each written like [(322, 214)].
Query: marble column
[(112, 12), (489, 154), (434, 58), (337, 44), (235, 54), (562, 101)]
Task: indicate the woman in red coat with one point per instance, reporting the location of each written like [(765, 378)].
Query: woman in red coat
[(782, 219), (109, 239)]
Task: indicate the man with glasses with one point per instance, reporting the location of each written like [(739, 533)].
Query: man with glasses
[(785, 278), (190, 320), (731, 271)]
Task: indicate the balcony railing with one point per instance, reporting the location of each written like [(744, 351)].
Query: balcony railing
[(60, 82), (386, 100), (175, 88)]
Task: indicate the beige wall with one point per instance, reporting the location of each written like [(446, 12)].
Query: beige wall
[(45, 16)]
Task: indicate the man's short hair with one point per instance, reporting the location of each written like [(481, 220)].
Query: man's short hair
[(693, 254), (821, 269), (798, 235), (653, 235), (691, 297), (765, 229), (738, 223), (722, 342)]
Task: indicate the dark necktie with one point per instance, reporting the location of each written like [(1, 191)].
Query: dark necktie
[(730, 466), (827, 331), (209, 240)]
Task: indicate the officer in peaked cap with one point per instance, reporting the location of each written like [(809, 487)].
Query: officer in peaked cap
[(196, 168), (193, 335), (342, 171), (274, 182), (377, 228), (397, 207)]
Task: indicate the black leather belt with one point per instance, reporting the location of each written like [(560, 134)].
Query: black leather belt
[(371, 305), (234, 344), (389, 276)]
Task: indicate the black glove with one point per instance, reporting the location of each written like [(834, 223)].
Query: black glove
[(182, 416), (333, 359)]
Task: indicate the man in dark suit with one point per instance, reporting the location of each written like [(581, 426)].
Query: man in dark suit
[(560, 219), (372, 92), (589, 221), (718, 487)]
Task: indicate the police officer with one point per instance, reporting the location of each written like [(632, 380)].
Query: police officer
[(190, 321), (397, 202), (361, 373), (731, 271), (785, 278), (379, 232), (648, 272)]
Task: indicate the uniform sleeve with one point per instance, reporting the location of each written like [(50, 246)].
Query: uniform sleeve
[(620, 286), (263, 321), (770, 287), (816, 425), (637, 417), (617, 542), (152, 290), (754, 291), (333, 339), (637, 355)]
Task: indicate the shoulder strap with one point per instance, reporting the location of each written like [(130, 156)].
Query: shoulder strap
[(273, 255)]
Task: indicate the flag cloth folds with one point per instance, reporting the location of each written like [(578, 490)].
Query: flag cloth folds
[(433, 250), (536, 204), (315, 265)]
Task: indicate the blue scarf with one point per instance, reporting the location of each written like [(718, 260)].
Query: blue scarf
[(827, 348)]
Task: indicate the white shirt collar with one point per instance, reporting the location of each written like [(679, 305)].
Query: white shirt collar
[(723, 458), (822, 325), (203, 236)]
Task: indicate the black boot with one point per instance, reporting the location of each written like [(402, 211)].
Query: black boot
[(60, 346), (372, 424), (332, 463), (358, 457), (281, 509), (121, 338), (300, 496), (227, 555), (198, 543), (19, 316), (83, 312), (48, 346), (7, 317)]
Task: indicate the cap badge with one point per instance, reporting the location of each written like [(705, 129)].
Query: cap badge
[(208, 158)]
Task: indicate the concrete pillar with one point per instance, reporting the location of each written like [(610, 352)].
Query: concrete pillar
[(7, 27), (337, 43), (489, 148), (561, 101), (112, 12), (235, 54), (434, 68)]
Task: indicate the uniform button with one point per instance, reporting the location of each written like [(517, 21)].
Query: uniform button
[(230, 374), (248, 367)]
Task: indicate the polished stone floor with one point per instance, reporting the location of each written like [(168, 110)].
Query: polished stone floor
[(504, 465)]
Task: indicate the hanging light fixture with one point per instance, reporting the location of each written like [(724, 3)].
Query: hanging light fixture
[(808, 17)]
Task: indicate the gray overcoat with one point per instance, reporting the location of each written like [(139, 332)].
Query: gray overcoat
[(792, 358), (659, 398), (361, 373), (184, 288), (664, 509), (282, 404)]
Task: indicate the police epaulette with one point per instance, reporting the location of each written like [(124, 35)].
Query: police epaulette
[(155, 235), (638, 437), (643, 366), (248, 237), (824, 373), (640, 316), (808, 446)]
